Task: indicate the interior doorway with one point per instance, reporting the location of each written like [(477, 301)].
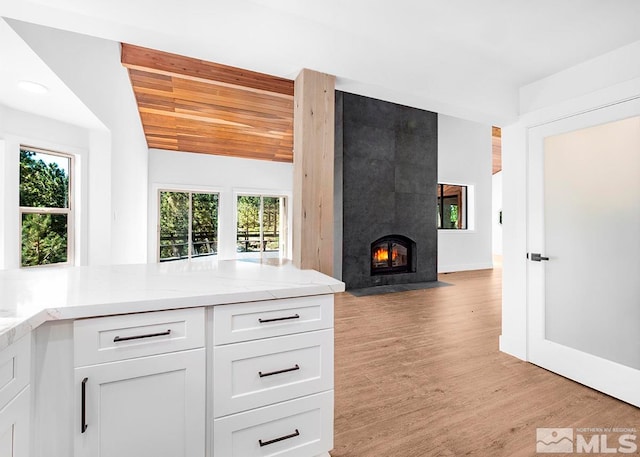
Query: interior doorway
[(584, 249)]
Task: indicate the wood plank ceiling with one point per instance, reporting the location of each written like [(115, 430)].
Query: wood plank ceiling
[(191, 105)]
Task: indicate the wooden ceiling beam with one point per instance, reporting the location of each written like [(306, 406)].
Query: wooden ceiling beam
[(193, 117), (239, 124), (251, 148), (156, 124), (195, 106), (164, 63), (271, 120), (195, 99)]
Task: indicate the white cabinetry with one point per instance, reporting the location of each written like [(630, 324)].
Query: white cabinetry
[(297, 428), (273, 378), (141, 390), (15, 401), (14, 426), (272, 370)]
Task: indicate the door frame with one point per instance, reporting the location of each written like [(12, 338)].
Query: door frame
[(612, 378)]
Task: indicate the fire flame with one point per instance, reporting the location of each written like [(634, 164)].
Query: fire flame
[(382, 255)]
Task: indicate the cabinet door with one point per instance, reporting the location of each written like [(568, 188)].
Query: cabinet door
[(14, 426), (151, 406), (15, 369)]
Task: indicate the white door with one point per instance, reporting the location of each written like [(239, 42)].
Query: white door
[(150, 406), (584, 217)]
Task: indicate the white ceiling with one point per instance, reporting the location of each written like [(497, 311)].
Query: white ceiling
[(465, 58), (20, 63)]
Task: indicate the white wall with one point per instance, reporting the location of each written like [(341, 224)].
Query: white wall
[(464, 157), (226, 175), (604, 81), (496, 207), (99, 186), (91, 68), (19, 128)]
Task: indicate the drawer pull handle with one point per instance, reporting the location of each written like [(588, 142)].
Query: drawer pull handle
[(286, 370), (83, 425), (282, 438), (137, 337), (295, 316)]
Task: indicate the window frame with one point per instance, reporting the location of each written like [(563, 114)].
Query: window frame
[(69, 211), (190, 191), (284, 239), (464, 214)]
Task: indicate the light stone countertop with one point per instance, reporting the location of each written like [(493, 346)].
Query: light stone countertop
[(30, 297)]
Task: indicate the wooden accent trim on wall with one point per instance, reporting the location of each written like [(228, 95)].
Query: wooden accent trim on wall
[(313, 156), (496, 149)]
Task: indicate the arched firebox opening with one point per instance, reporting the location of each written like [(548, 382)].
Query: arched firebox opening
[(392, 254)]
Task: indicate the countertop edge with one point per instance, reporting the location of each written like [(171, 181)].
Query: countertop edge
[(22, 326)]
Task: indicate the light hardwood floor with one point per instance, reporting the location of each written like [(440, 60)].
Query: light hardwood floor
[(419, 374)]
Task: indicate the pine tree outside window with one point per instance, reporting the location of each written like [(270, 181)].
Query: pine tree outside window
[(46, 207), (261, 226), (188, 226)]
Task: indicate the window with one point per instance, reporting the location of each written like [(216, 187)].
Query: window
[(188, 225), (261, 225), (46, 215), (452, 206)]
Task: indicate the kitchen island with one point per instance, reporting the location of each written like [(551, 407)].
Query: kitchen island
[(201, 358)]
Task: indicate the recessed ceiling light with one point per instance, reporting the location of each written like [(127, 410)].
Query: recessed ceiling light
[(34, 87)]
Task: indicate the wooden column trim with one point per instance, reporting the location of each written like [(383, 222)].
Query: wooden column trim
[(313, 156)]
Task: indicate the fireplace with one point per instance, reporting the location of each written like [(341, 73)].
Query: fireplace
[(386, 167), (392, 254)]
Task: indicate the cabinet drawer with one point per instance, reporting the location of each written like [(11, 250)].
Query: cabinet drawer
[(291, 429), (15, 369), (250, 321), (112, 338), (259, 373)]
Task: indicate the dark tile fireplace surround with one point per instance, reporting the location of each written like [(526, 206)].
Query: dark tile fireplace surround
[(389, 157)]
